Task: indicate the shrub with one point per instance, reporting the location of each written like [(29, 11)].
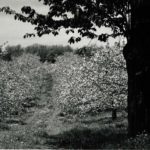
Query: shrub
[(141, 141)]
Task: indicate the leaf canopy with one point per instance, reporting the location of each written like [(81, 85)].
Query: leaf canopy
[(86, 16)]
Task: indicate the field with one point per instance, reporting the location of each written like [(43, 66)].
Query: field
[(77, 101), (45, 129)]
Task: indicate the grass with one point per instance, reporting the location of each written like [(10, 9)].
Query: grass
[(91, 132), (23, 135), (44, 128), (85, 138)]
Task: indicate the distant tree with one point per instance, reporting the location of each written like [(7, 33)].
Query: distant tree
[(4, 53), (85, 51), (86, 16), (47, 53)]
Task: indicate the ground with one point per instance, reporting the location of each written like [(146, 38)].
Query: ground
[(44, 128)]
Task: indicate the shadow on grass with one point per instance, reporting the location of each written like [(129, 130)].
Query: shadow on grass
[(106, 120), (85, 138)]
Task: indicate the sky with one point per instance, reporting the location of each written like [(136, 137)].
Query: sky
[(12, 30)]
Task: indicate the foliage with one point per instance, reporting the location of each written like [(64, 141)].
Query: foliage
[(86, 16), (84, 84), (11, 51), (47, 53), (21, 84), (141, 141), (85, 51), (14, 51)]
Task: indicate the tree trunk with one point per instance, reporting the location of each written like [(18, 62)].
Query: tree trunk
[(114, 114), (137, 56)]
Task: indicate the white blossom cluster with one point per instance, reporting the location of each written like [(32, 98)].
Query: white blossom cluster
[(21, 81), (90, 84)]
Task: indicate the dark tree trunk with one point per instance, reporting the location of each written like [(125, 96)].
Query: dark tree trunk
[(114, 114), (137, 55)]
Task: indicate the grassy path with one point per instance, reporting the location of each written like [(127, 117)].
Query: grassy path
[(27, 135), (44, 129)]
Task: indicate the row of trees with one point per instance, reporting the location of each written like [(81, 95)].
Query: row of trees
[(46, 53), (23, 82), (89, 83), (92, 84)]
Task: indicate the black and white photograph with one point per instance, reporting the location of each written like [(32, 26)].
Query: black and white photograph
[(74, 74)]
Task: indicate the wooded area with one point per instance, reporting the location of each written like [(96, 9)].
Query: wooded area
[(127, 18)]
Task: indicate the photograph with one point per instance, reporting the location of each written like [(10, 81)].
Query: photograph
[(75, 74)]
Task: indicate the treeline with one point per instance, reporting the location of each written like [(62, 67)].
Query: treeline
[(46, 53)]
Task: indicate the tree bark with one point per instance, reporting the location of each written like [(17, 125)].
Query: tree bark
[(137, 56), (114, 114)]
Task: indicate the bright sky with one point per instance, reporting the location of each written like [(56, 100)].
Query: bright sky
[(13, 31)]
